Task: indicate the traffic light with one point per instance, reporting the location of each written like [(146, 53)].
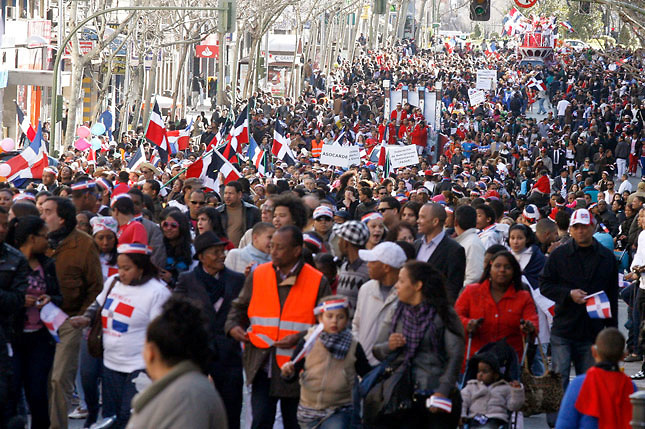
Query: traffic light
[(479, 10), (585, 7), (227, 16), (380, 7)]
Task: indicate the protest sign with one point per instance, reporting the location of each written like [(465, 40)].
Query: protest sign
[(476, 97), (340, 156), (402, 156)]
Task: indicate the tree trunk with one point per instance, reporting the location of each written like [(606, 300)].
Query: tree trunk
[(420, 19), (250, 70), (175, 91), (138, 100), (152, 79), (236, 57), (354, 36), (292, 82), (76, 77)]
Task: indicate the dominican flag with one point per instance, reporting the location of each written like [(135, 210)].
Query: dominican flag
[(257, 156), (340, 139), (537, 84), (156, 133), (568, 26), (178, 139), (222, 132), (52, 317), (116, 315), (29, 164), (208, 168), (623, 61), (25, 125), (511, 21), (137, 158), (598, 306), (280, 148), (374, 154), (238, 136), (154, 158)]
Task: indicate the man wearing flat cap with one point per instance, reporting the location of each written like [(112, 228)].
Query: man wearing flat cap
[(213, 286)]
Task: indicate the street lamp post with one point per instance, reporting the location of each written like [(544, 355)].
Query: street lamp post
[(59, 54)]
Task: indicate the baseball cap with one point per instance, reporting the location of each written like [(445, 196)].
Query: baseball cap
[(323, 211), (387, 252), (354, 232), (581, 217)]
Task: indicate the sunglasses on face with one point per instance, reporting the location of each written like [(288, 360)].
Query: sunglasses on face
[(169, 224), (200, 203)]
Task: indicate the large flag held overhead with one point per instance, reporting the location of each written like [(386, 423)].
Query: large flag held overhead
[(280, 148), (238, 136), (29, 164), (208, 168), (156, 133), (538, 84), (24, 123), (178, 139), (257, 156)]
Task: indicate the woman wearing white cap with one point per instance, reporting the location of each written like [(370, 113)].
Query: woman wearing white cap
[(129, 301)]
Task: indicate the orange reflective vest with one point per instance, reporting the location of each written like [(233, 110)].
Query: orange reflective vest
[(267, 323), (316, 148)]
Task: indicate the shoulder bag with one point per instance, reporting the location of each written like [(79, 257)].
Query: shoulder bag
[(543, 393), (95, 336)]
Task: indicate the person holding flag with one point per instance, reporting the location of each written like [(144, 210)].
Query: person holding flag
[(33, 346), (331, 358), (573, 273)]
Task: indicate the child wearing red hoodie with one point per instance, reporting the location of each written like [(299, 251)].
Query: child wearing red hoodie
[(600, 397)]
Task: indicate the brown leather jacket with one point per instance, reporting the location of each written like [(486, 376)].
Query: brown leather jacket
[(78, 269)]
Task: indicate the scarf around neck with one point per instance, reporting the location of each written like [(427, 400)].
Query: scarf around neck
[(55, 238), (337, 344), (214, 287), (415, 321)]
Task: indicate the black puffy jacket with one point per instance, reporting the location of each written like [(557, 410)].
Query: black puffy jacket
[(13, 284)]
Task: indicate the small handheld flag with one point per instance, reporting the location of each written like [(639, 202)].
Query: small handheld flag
[(598, 306), (52, 317), (309, 344)]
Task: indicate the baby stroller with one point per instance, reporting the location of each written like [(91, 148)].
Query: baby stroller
[(506, 361)]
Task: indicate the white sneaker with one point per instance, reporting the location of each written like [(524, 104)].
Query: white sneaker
[(78, 413)]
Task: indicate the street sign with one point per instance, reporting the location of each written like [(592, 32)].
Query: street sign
[(206, 51), (525, 3), (84, 47)]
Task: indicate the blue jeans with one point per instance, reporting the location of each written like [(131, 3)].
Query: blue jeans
[(564, 352), (341, 419), (264, 405), (118, 391), (91, 369), (541, 108)]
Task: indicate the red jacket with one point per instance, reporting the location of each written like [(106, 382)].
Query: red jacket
[(501, 320), (420, 135), (543, 185), (403, 113)]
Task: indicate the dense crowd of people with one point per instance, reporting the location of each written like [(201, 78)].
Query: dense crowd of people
[(314, 296)]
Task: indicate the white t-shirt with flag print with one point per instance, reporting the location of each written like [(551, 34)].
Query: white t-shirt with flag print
[(126, 315)]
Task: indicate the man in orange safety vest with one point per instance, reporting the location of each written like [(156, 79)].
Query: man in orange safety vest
[(273, 312)]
